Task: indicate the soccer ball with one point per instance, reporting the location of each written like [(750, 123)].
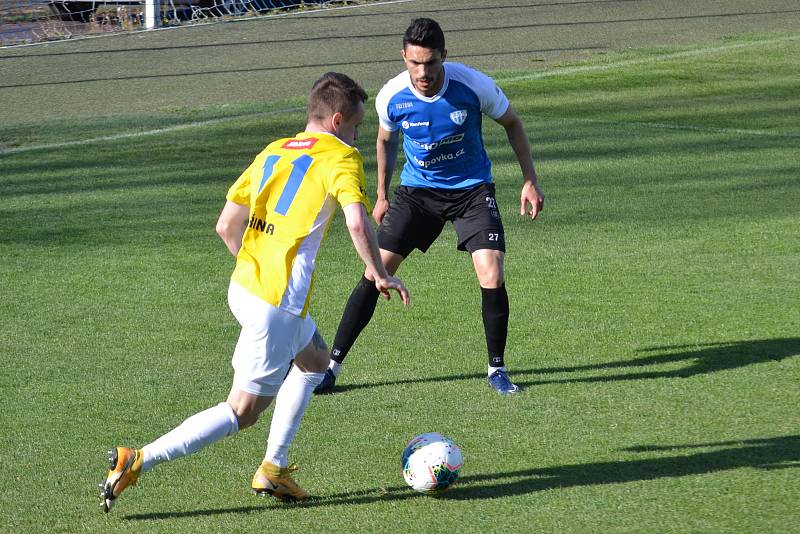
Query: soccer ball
[(431, 463)]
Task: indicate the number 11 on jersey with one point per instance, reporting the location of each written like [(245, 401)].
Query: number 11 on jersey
[(299, 169)]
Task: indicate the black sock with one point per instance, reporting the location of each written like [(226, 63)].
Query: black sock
[(494, 306), (357, 313)]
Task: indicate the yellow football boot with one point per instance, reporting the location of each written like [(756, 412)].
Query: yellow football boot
[(126, 466), (273, 480)]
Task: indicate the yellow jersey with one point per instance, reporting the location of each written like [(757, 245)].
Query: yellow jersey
[(292, 188)]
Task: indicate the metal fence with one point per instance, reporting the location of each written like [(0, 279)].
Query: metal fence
[(32, 21)]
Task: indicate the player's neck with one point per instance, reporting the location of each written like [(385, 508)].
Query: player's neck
[(434, 90), (314, 127)]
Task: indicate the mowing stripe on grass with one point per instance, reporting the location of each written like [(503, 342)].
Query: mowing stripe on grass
[(642, 61), (684, 127), (500, 80)]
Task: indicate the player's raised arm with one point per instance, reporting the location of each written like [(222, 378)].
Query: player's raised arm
[(231, 224), (366, 244), (531, 199), (386, 154)]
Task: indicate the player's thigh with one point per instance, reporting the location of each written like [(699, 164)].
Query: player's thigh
[(478, 224), (409, 224), (269, 340)]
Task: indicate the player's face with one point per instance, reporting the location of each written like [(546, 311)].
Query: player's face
[(426, 67), (347, 129)]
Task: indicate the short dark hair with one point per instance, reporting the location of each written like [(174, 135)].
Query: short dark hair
[(334, 93), (425, 33)]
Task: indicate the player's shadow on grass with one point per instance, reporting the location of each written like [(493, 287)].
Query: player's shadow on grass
[(698, 360), (780, 452)]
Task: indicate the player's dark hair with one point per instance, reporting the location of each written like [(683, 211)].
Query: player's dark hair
[(334, 92), (425, 33)]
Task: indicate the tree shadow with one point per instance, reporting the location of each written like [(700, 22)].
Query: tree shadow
[(781, 452), (700, 359)]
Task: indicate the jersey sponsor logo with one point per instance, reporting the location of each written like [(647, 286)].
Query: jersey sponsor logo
[(404, 105), (446, 141), (300, 144), (459, 116), (450, 156), (406, 125)]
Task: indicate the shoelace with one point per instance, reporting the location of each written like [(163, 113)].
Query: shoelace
[(289, 470)]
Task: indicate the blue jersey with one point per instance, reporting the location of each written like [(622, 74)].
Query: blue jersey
[(442, 137)]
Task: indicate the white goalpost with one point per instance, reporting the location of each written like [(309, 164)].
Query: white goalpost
[(151, 14)]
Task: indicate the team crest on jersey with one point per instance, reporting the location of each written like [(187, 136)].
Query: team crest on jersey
[(300, 144), (459, 116)]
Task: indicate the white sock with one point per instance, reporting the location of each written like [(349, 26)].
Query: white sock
[(493, 369), (334, 366), (290, 405), (198, 431)]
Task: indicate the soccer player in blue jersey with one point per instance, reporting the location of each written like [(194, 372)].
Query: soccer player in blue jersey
[(438, 106)]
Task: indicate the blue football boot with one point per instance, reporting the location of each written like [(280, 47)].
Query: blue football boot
[(502, 384), (326, 386)]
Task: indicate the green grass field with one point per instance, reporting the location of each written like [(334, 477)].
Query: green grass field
[(655, 321)]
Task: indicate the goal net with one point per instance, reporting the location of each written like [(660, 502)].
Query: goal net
[(33, 21)]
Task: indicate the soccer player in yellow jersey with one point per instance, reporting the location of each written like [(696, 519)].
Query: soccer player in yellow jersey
[(274, 220)]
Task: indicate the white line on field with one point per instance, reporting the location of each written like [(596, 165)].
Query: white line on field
[(532, 76), (157, 131)]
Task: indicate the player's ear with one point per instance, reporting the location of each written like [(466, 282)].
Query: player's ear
[(444, 54), (336, 120)]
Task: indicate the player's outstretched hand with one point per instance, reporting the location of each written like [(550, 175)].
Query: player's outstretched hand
[(386, 285), (380, 209), (531, 200)]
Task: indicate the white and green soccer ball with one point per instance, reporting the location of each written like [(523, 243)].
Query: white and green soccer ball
[(431, 463)]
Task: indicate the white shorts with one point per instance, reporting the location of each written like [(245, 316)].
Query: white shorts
[(269, 340)]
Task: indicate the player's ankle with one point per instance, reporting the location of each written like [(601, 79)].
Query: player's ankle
[(335, 367), (492, 370)]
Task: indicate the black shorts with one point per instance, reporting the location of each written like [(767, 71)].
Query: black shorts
[(417, 215)]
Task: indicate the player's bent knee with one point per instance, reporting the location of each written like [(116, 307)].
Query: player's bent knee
[(315, 361), (247, 407), (314, 358), (246, 421), (491, 280), (489, 268), (246, 416), (490, 277)]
